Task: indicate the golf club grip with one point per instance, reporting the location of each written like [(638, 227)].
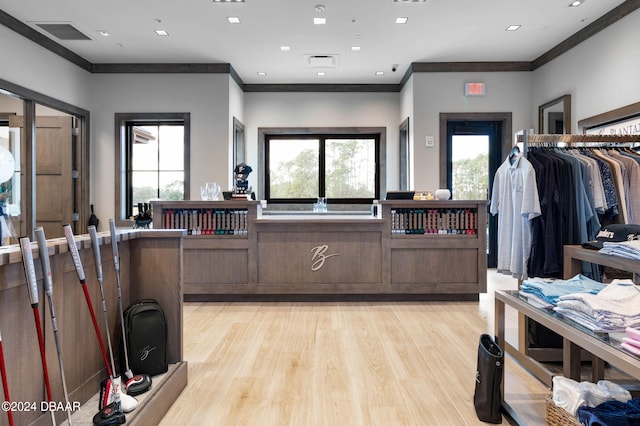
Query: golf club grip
[(114, 244), (44, 260), (75, 255), (29, 270), (96, 250)]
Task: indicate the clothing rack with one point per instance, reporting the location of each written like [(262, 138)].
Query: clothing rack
[(576, 139)]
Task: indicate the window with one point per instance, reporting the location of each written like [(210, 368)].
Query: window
[(342, 166), (153, 161)]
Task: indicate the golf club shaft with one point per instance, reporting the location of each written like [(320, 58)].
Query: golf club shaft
[(48, 289), (5, 383), (32, 287), (116, 266), (98, 261)]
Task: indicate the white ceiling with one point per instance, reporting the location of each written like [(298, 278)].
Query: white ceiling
[(436, 31)]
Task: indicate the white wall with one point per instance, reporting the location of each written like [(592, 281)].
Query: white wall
[(204, 96), (236, 109), (435, 93), (26, 64), (323, 110), (601, 73), (406, 111)]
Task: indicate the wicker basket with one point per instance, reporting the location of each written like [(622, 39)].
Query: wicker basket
[(556, 416)]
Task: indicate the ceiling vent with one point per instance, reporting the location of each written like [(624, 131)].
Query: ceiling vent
[(321, 61), (63, 31)]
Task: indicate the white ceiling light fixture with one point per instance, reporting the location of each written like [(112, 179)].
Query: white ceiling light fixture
[(576, 3), (513, 28), (402, 20), (319, 21), (103, 33), (379, 72), (262, 73), (285, 48), (355, 48), (321, 73), (233, 19), (162, 33)]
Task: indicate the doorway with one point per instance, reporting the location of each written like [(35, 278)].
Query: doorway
[(473, 149)]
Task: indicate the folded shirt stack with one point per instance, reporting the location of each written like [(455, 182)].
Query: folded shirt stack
[(547, 291), (631, 341), (571, 395), (628, 249), (613, 309)]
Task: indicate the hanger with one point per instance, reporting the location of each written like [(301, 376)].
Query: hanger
[(513, 154)]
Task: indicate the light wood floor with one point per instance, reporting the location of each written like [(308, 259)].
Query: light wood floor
[(341, 363)]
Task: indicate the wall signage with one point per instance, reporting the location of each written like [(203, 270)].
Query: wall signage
[(626, 127)]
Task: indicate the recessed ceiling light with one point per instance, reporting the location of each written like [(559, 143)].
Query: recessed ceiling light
[(103, 33), (233, 19), (162, 33), (379, 72), (262, 73), (319, 21), (355, 48), (285, 48), (513, 28), (576, 3), (402, 20), (321, 73)]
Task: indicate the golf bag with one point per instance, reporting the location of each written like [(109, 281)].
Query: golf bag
[(146, 333)]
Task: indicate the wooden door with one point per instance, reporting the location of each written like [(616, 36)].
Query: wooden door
[(54, 184)]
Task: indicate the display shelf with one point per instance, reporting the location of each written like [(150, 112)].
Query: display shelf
[(205, 218)]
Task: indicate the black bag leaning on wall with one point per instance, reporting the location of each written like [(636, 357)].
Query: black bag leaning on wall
[(487, 397), (146, 333)]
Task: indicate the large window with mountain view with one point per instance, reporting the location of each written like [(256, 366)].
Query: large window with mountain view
[(344, 168)]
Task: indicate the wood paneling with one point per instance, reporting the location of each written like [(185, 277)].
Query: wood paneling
[(316, 257), (83, 362), (296, 257)]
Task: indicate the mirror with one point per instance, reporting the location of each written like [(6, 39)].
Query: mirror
[(554, 117)]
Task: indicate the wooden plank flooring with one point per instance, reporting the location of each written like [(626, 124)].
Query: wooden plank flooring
[(410, 363)]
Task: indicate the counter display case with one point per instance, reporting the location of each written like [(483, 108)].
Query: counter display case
[(410, 250)]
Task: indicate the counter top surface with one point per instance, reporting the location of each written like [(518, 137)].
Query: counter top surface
[(12, 254)]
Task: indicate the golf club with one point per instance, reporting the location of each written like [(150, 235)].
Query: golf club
[(32, 287), (139, 383), (48, 289), (5, 384), (128, 403), (73, 249)]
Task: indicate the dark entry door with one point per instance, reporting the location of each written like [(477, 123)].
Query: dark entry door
[(473, 156)]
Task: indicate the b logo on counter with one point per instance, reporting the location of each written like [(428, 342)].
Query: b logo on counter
[(319, 257)]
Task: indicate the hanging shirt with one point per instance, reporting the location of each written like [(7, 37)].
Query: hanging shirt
[(514, 198)]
